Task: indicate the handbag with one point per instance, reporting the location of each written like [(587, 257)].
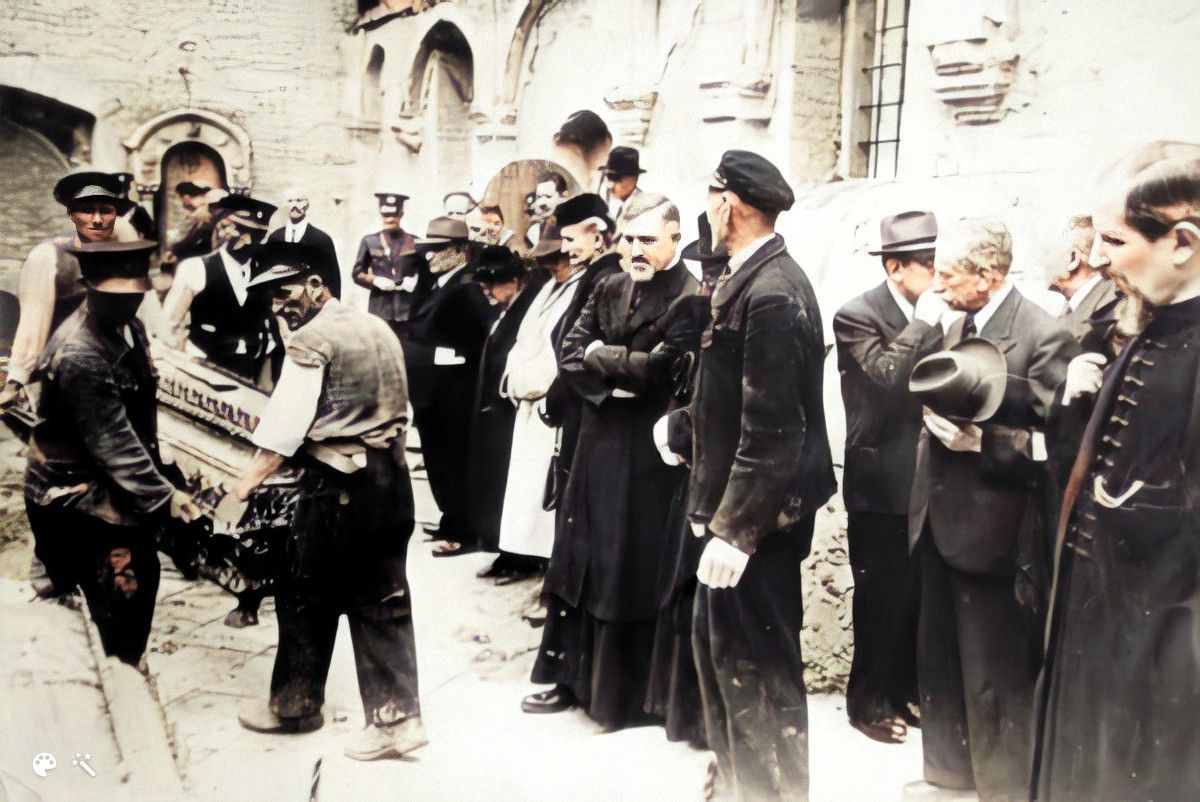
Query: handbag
[(552, 491)]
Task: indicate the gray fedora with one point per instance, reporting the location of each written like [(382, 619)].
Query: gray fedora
[(443, 231), (966, 382), (907, 232)]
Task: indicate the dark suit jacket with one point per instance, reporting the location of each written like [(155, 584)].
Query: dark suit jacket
[(883, 419), (982, 506), (377, 258), (317, 239), (1079, 320), (456, 315), (761, 455)]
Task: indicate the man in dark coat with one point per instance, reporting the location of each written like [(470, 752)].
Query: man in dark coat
[(299, 229), (230, 327), (389, 266), (586, 231), (451, 325), (977, 516), (883, 421), (508, 285), (610, 540), (761, 468), (95, 491), (1087, 289), (341, 387), (1119, 696)]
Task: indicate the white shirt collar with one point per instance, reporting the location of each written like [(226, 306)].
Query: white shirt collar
[(294, 232), (746, 251), (985, 314), (1077, 297), (900, 300)]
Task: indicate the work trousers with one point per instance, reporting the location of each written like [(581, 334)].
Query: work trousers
[(747, 645), (346, 556), (116, 567), (976, 674), (883, 673)]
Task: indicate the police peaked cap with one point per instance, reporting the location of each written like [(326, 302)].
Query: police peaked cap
[(755, 180), (113, 259), (91, 185), (390, 201)]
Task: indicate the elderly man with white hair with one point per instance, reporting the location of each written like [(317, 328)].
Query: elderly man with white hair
[(977, 518), (299, 229)]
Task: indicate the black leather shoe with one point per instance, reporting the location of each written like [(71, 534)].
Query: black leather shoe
[(555, 700)]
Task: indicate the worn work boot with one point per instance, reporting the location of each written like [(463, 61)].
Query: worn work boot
[(395, 740), (258, 716)]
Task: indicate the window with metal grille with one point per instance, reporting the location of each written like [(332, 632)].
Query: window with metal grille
[(884, 79)]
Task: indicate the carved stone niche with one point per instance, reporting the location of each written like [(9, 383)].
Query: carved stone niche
[(745, 90), (150, 142), (409, 129), (632, 109), (497, 124), (974, 71)]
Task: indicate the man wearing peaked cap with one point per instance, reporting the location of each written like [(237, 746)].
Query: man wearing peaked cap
[(94, 487), (450, 327), (342, 383), (388, 266), (758, 392), (883, 422), (224, 323)]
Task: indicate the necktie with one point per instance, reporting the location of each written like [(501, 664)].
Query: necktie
[(968, 329)]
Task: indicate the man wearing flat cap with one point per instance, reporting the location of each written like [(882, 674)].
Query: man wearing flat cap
[(225, 323), (95, 491), (388, 265), (621, 173), (451, 325), (341, 387), (761, 468), (49, 288), (883, 421), (976, 516)]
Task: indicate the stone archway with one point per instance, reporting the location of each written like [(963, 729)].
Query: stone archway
[(149, 144)]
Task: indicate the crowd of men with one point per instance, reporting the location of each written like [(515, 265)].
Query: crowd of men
[(650, 436)]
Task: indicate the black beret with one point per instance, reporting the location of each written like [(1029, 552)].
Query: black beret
[(244, 208), (113, 259), (575, 210), (755, 180), (495, 264), (91, 185)]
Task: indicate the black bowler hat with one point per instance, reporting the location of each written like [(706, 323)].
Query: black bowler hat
[(275, 261), (190, 188), (907, 232), (701, 249), (91, 185), (583, 207), (495, 264), (966, 382), (390, 202), (755, 180), (243, 210), (113, 259), (622, 162)]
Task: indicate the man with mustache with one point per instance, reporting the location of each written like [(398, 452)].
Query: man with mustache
[(226, 324), (299, 229), (95, 491), (49, 289), (548, 193), (602, 581), (342, 383)]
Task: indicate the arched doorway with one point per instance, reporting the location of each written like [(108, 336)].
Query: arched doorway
[(440, 91), (39, 138), (371, 100), (185, 161)]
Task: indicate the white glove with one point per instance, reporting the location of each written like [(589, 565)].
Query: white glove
[(383, 283), (408, 284), (660, 442), (721, 565), (953, 436), (1084, 375), (930, 307)]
